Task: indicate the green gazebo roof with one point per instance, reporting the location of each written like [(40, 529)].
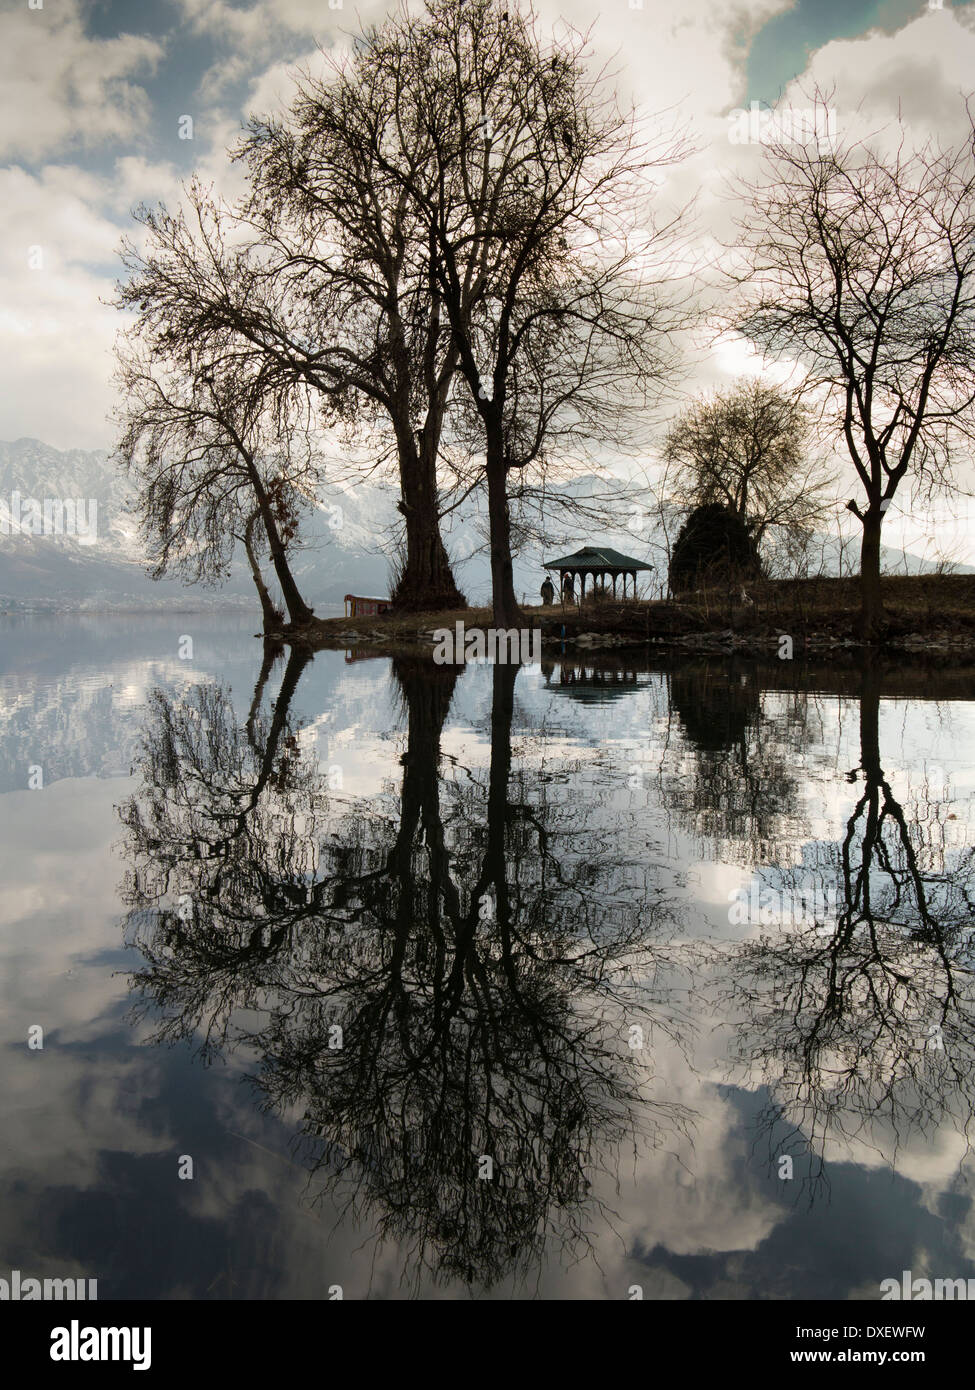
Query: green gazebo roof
[(593, 560)]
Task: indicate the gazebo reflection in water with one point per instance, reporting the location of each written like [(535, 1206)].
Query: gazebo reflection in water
[(584, 680)]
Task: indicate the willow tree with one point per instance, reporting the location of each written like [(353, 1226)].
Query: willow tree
[(747, 449), (860, 267), (220, 452)]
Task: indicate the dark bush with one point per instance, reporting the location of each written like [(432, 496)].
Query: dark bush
[(714, 547)]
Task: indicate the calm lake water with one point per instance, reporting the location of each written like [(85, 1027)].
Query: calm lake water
[(480, 983)]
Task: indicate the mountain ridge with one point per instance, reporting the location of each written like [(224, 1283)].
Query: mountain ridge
[(348, 536)]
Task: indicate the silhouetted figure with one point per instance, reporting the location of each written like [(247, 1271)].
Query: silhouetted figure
[(548, 592)]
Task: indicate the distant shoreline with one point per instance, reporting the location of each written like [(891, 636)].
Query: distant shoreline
[(925, 614)]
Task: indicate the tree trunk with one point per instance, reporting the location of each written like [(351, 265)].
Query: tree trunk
[(871, 602), (297, 661), (870, 724), (421, 838), (427, 692), (427, 581), (507, 614), (298, 610), (272, 651), (498, 812), (864, 826), (271, 614)]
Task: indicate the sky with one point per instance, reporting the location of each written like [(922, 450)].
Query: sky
[(108, 103)]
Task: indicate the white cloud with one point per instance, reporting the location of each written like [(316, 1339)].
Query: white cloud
[(57, 325), (55, 334), (918, 73), (273, 90), (692, 53), (59, 87), (246, 37), (690, 57)]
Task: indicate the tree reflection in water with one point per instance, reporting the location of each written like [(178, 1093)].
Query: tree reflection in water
[(862, 1023), (444, 973), (449, 970), (734, 785)]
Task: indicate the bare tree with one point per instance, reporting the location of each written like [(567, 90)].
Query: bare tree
[(556, 308), (747, 449), (272, 615), (213, 445), (481, 944), (206, 278), (344, 244), (860, 266), (860, 1020), (393, 241)]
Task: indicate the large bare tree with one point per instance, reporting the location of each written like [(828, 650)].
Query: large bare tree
[(328, 205), (530, 184), (268, 286), (459, 206), (860, 267)]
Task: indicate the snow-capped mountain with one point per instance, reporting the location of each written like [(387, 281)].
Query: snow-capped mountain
[(346, 542), (68, 539), (95, 562)]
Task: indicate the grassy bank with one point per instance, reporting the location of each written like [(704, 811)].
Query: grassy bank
[(933, 613)]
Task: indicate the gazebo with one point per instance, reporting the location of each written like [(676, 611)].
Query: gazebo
[(596, 561)]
